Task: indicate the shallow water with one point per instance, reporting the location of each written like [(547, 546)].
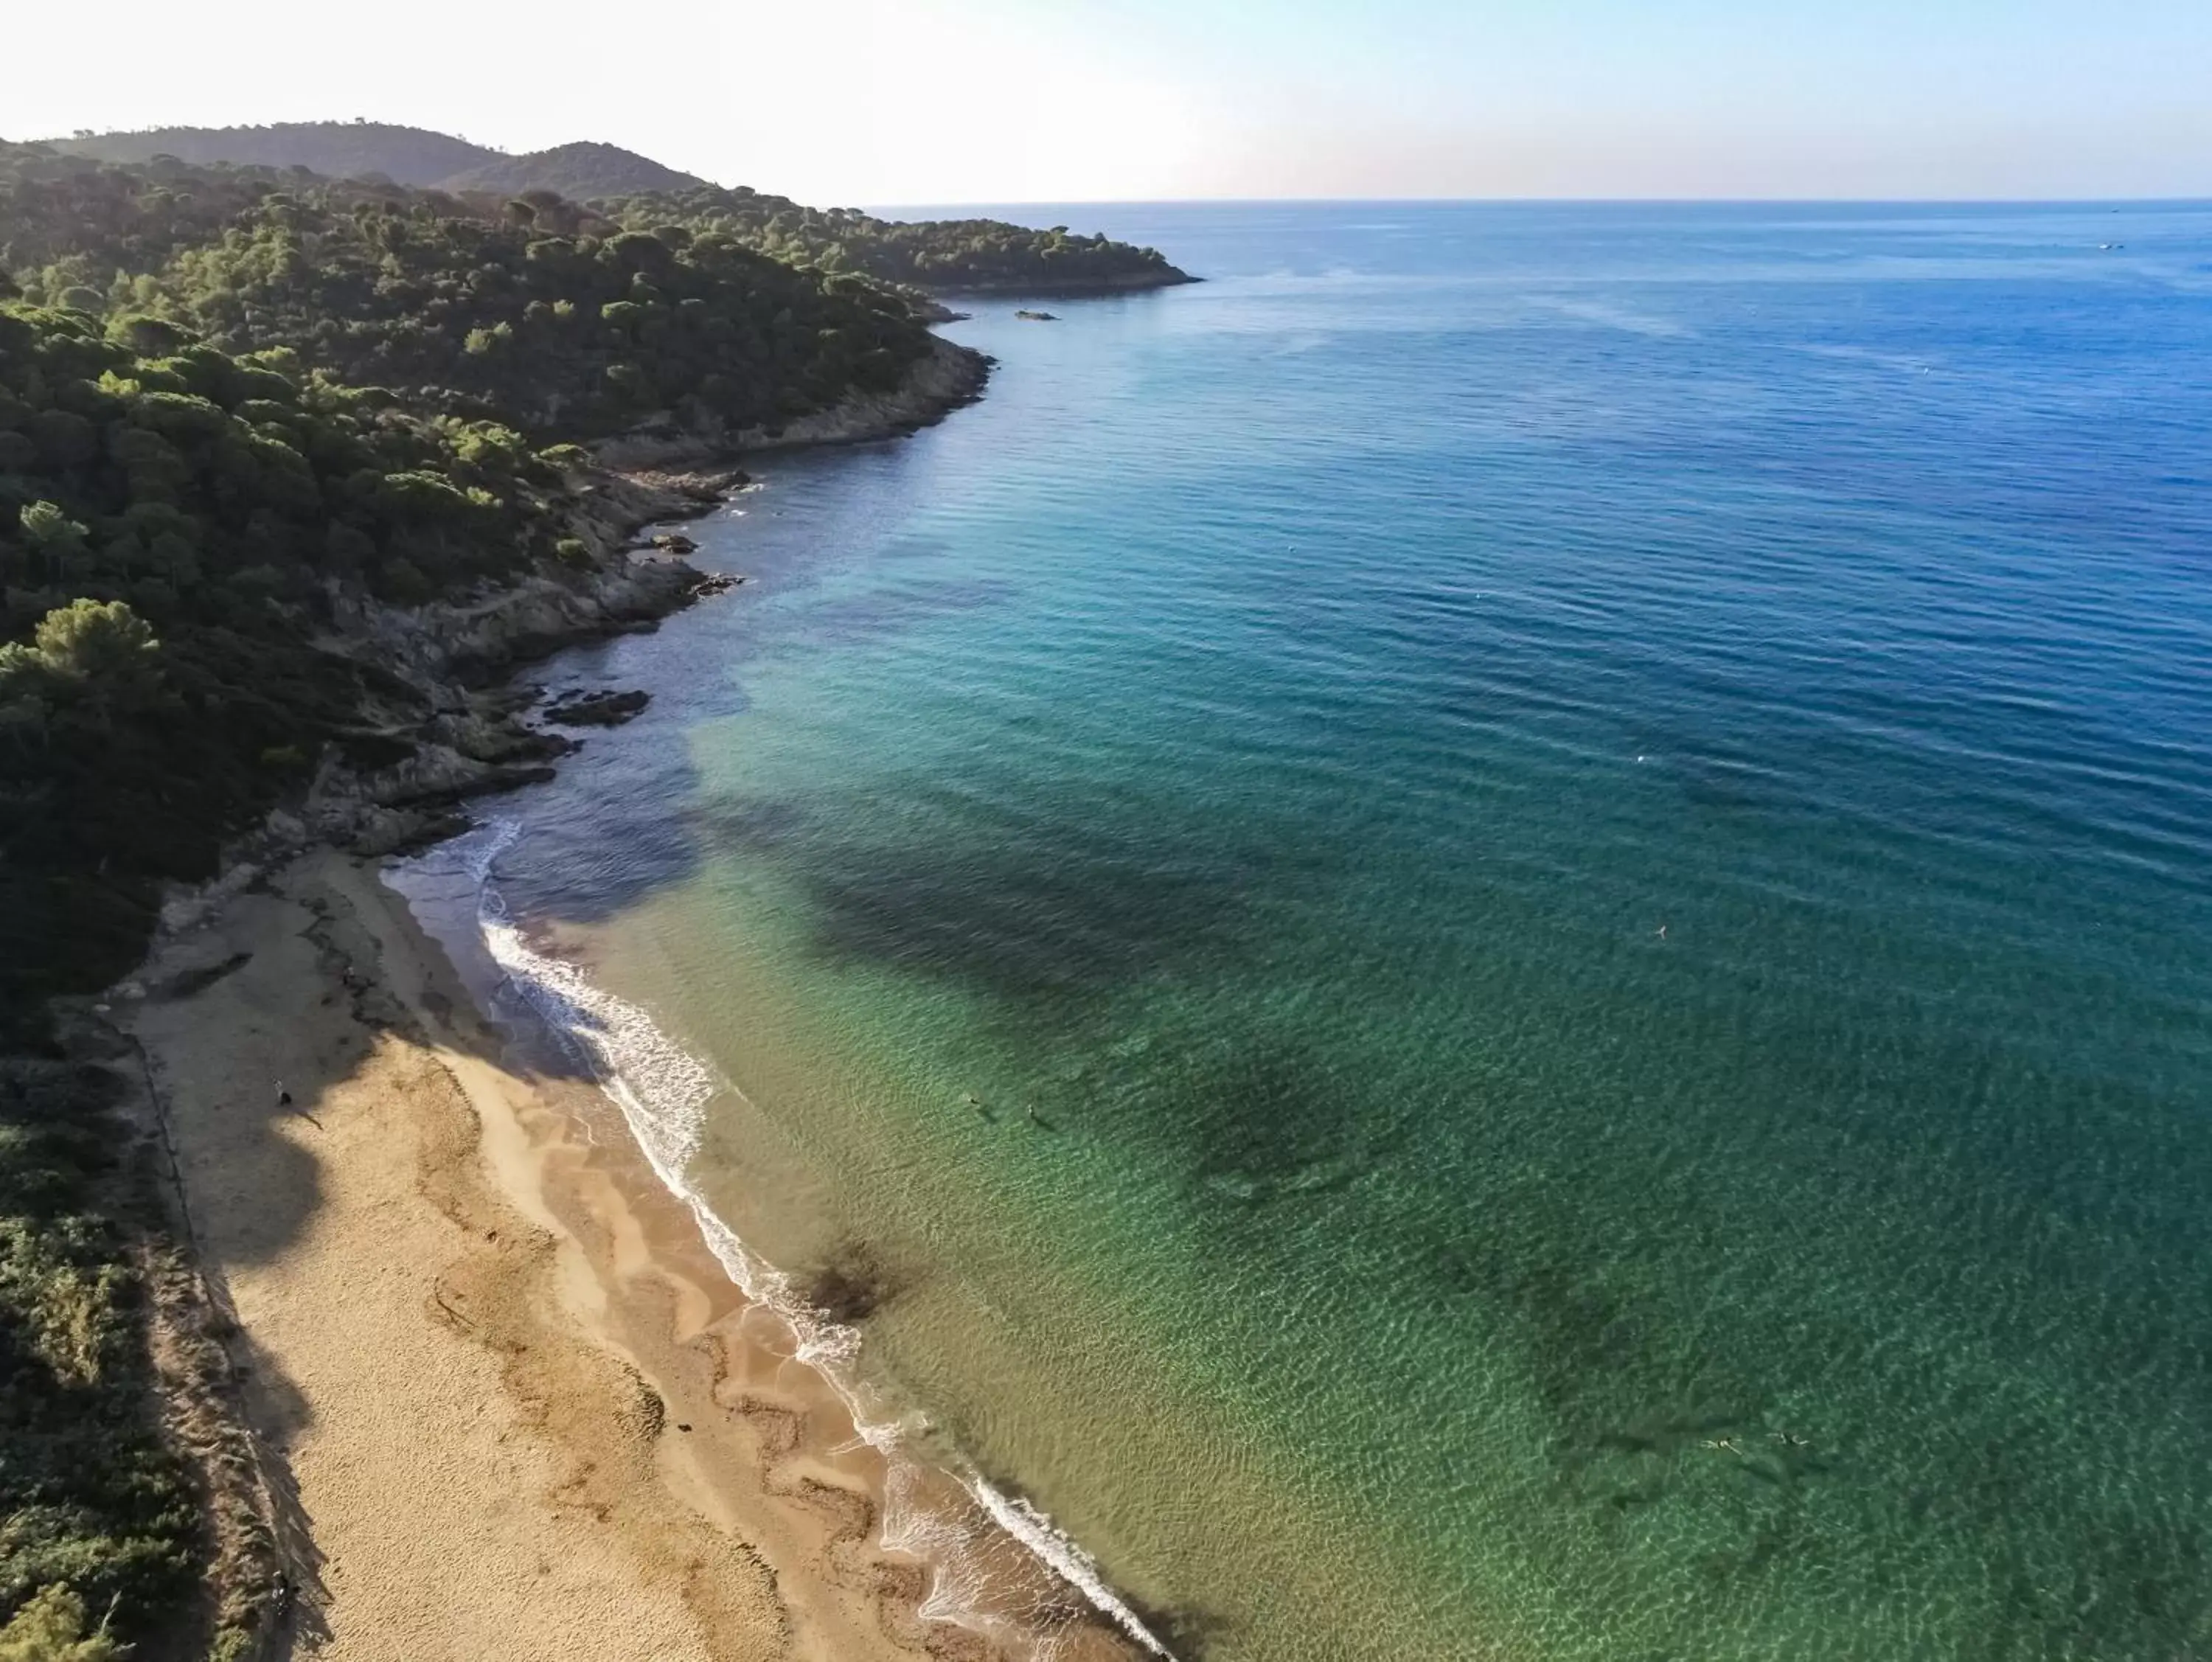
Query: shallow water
[(1565, 851)]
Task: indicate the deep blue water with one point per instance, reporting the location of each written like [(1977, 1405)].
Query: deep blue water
[(1568, 850)]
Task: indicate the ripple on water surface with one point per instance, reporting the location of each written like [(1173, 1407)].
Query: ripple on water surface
[(1563, 852)]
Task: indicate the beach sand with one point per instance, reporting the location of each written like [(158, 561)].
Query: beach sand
[(506, 1401)]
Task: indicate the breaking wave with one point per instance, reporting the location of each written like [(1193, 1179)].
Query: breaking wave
[(662, 1092)]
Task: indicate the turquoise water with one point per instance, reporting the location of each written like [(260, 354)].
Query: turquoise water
[(1566, 851)]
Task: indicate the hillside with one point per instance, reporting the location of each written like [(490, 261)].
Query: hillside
[(519, 314), (405, 156), (338, 150), (112, 217), (580, 172), (177, 529), (939, 256)]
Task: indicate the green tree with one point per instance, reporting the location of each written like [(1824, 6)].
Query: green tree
[(50, 1627), (148, 337), (53, 538), (95, 640)]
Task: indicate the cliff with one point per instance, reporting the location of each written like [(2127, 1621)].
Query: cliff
[(941, 382)]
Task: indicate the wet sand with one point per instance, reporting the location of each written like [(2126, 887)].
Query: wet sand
[(507, 1400)]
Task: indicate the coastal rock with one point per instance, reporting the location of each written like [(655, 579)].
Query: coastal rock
[(705, 488), (851, 1287), (1038, 317), (472, 642), (188, 908), (599, 710), (383, 831), (945, 379), (429, 733)]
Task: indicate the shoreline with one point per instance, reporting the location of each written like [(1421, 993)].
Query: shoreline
[(807, 1489), (455, 727), (547, 1414), (990, 1552), (1137, 283)]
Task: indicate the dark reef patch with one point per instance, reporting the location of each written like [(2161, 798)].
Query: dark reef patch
[(1191, 1631), (1027, 911), (598, 710), (852, 1285), (754, 823), (1263, 1120)]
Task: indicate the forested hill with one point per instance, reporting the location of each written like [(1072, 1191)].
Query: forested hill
[(402, 156), (942, 256), (531, 311), (339, 149), (947, 256), (578, 172)]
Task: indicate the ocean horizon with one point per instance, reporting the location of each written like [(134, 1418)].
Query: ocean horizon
[(1488, 939)]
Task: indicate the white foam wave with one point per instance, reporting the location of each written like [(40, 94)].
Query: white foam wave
[(662, 1092)]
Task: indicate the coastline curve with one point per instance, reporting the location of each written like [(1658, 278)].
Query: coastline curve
[(661, 1090)]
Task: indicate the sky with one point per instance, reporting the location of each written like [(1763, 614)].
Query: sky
[(880, 102)]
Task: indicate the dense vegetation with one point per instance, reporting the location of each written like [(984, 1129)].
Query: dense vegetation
[(174, 522), (943, 256), (544, 326), (936, 255), (580, 172), (101, 1525), (66, 217), (337, 149)]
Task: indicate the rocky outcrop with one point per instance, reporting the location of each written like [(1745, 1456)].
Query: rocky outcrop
[(945, 379), (433, 734), (434, 728), (599, 710), (475, 641)]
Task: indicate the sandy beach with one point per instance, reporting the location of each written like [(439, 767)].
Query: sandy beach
[(505, 1400)]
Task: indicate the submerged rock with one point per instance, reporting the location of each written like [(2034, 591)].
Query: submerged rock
[(852, 1286), (598, 710)]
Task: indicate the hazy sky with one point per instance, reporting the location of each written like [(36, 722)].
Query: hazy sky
[(873, 101)]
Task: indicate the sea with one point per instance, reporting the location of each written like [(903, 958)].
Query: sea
[(1494, 938)]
